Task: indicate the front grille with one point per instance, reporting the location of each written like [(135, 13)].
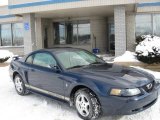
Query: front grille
[(149, 87)]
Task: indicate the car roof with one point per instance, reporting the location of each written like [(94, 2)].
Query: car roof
[(53, 50), (58, 49)]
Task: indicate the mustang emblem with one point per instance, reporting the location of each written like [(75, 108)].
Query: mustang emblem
[(149, 86)]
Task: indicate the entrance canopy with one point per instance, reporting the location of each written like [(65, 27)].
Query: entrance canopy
[(82, 12)]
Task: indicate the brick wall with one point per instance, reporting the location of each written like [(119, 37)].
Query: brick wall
[(120, 30), (130, 30)]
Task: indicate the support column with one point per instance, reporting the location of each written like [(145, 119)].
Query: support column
[(48, 25), (39, 34), (120, 30), (29, 33), (131, 38)]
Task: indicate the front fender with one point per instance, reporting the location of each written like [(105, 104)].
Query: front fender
[(99, 88)]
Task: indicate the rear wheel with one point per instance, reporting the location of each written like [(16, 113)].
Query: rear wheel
[(87, 104), (20, 86)]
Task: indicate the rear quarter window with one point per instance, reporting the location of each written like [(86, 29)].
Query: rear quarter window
[(29, 59)]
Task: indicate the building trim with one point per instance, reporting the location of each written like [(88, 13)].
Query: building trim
[(148, 4), (31, 4), (6, 16)]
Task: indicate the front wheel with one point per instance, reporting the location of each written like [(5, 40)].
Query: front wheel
[(20, 86), (87, 104)]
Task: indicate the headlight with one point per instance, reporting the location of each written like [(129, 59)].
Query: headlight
[(125, 92)]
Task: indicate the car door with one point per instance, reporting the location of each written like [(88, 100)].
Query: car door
[(43, 78)]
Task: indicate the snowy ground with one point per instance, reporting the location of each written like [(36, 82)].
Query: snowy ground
[(34, 107)]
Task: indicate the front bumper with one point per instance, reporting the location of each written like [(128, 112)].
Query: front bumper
[(114, 105)]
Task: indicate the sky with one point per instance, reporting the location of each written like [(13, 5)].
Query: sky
[(3, 2)]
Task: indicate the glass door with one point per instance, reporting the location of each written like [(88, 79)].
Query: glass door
[(111, 35)]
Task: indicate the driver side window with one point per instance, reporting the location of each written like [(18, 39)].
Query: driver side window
[(44, 60)]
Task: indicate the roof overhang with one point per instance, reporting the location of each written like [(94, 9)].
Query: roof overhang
[(101, 11), (148, 7), (36, 7)]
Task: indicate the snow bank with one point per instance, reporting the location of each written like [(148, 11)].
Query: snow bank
[(148, 51), (127, 57), (6, 54), (107, 57)]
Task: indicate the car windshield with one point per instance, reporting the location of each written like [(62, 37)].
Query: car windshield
[(77, 58)]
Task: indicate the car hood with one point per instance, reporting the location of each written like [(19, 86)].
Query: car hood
[(115, 75)]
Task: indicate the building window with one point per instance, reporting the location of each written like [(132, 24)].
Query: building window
[(156, 24), (84, 33), (72, 33), (111, 35), (143, 24), (147, 24), (75, 34), (11, 34), (59, 33), (17, 30), (6, 35)]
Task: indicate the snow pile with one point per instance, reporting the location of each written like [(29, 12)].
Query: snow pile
[(5, 55), (107, 57), (148, 50), (127, 57)]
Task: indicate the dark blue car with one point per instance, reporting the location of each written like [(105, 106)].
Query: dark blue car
[(87, 82)]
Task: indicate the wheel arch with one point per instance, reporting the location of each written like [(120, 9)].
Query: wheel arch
[(78, 87), (14, 74), (21, 74)]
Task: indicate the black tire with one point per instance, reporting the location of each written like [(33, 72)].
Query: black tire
[(94, 107), (22, 89)]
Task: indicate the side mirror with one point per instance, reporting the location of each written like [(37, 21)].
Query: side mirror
[(55, 68)]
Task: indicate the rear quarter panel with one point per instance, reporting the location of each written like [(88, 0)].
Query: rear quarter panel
[(18, 67)]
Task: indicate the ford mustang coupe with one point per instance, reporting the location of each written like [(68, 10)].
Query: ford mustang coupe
[(88, 83)]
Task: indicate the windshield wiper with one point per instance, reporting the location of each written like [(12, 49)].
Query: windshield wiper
[(96, 63), (77, 66)]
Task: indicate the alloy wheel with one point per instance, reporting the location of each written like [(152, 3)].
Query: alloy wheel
[(19, 84), (83, 105)]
